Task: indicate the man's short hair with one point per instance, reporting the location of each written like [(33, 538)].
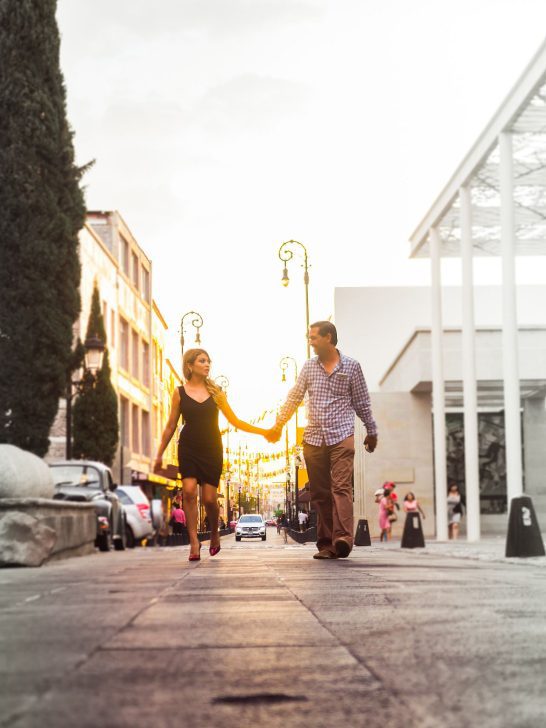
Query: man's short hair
[(326, 327)]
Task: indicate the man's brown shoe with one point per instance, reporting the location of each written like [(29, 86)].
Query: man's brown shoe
[(324, 554), (343, 549)]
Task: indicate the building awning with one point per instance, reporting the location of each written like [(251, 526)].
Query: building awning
[(141, 477)]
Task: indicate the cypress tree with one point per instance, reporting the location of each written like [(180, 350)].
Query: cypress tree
[(96, 408), (42, 210)]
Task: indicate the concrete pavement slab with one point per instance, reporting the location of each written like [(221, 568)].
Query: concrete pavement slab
[(264, 634)]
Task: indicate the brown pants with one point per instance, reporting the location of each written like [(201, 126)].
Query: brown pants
[(330, 469)]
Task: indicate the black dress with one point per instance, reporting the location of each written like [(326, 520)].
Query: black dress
[(200, 451)]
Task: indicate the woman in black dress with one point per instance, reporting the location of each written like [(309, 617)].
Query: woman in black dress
[(200, 452)]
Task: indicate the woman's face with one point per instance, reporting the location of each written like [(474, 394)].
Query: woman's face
[(411, 496), (453, 490), (201, 366)]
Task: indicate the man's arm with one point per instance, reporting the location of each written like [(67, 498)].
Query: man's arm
[(293, 401), (360, 398)]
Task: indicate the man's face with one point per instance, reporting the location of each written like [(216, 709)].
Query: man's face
[(319, 343)]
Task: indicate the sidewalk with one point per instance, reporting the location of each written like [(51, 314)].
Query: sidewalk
[(264, 635)]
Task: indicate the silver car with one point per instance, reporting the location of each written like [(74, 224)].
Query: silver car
[(137, 512), (251, 525)]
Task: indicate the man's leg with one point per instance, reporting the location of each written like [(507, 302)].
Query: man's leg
[(318, 468), (341, 468)]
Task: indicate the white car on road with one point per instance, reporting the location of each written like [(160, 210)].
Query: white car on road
[(251, 525), (137, 512)]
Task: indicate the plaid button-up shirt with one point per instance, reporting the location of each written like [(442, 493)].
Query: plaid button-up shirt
[(333, 401)]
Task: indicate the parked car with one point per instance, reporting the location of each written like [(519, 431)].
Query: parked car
[(251, 525), (91, 482), (137, 512)]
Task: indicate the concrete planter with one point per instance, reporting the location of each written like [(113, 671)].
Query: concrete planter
[(36, 530)]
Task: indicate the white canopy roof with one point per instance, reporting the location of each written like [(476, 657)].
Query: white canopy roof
[(524, 114)]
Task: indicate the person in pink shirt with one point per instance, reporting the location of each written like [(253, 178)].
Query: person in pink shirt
[(178, 518), (411, 504)]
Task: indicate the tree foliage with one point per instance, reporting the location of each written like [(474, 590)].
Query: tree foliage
[(42, 210), (95, 412)]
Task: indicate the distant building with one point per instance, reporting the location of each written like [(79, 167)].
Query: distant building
[(141, 374)]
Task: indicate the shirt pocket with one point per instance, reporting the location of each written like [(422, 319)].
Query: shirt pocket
[(339, 384)]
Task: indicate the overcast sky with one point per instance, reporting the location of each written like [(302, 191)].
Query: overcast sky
[(221, 128)]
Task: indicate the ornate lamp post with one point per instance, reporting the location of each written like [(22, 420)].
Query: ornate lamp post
[(286, 253), (228, 481), (196, 322), (284, 364), (94, 353)]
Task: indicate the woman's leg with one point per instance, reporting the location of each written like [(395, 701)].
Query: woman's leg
[(455, 531), (210, 501), (190, 504)]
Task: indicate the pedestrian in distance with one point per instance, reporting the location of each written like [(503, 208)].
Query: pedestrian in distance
[(336, 391), (455, 508), (302, 520), (411, 504), (178, 518), (200, 452), (386, 513)]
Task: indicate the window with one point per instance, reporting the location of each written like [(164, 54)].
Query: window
[(124, 421), (135, 353), (124, 343), (113, 326), (134, 269), (145, 364), (124, 255), (135, 430), (105, 315), (145, 433), (145, 284)]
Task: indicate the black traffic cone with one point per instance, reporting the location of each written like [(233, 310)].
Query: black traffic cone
[(362, 536), (413, 536), (524, 537)]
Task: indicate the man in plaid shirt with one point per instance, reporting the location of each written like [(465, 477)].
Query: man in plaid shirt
[(336, 391)]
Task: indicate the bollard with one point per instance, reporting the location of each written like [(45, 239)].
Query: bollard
[(413, 536), (524, 537), (362, 536)]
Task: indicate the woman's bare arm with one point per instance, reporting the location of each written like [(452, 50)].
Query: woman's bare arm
[(232, 418), (170, 429)]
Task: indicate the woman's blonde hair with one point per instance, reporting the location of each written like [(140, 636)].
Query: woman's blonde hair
[(188, 359)]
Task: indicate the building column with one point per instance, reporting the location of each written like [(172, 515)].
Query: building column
[(512, 404), (438, 395), (470, 390)]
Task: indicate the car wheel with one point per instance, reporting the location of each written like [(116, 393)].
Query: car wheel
[(129, 538), (121, 542), (104, 541), (237, 538)]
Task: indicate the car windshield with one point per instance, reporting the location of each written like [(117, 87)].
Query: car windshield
[(250, 519), (76, 475)]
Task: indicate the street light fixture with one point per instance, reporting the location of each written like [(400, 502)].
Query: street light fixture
[(196, 322), (286, 253), (94, 354)]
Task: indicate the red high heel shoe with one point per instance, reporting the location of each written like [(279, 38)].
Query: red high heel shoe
[(214, 550), (195, 557)]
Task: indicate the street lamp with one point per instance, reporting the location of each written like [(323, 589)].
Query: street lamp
[(286, 253), (284, 364), (228, 481), (196, 322), (94, 353)]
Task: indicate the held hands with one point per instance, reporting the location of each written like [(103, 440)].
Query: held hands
[(370, 443), (273, 434)]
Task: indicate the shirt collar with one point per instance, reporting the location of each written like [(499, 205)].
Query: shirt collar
[(338, 367)]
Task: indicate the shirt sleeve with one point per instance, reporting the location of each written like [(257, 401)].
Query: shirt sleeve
[(295, 397), (361, 401)]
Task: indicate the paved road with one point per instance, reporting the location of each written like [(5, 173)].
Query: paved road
[(264, 635)]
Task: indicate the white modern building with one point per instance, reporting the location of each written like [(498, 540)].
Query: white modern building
[(494, 205)]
